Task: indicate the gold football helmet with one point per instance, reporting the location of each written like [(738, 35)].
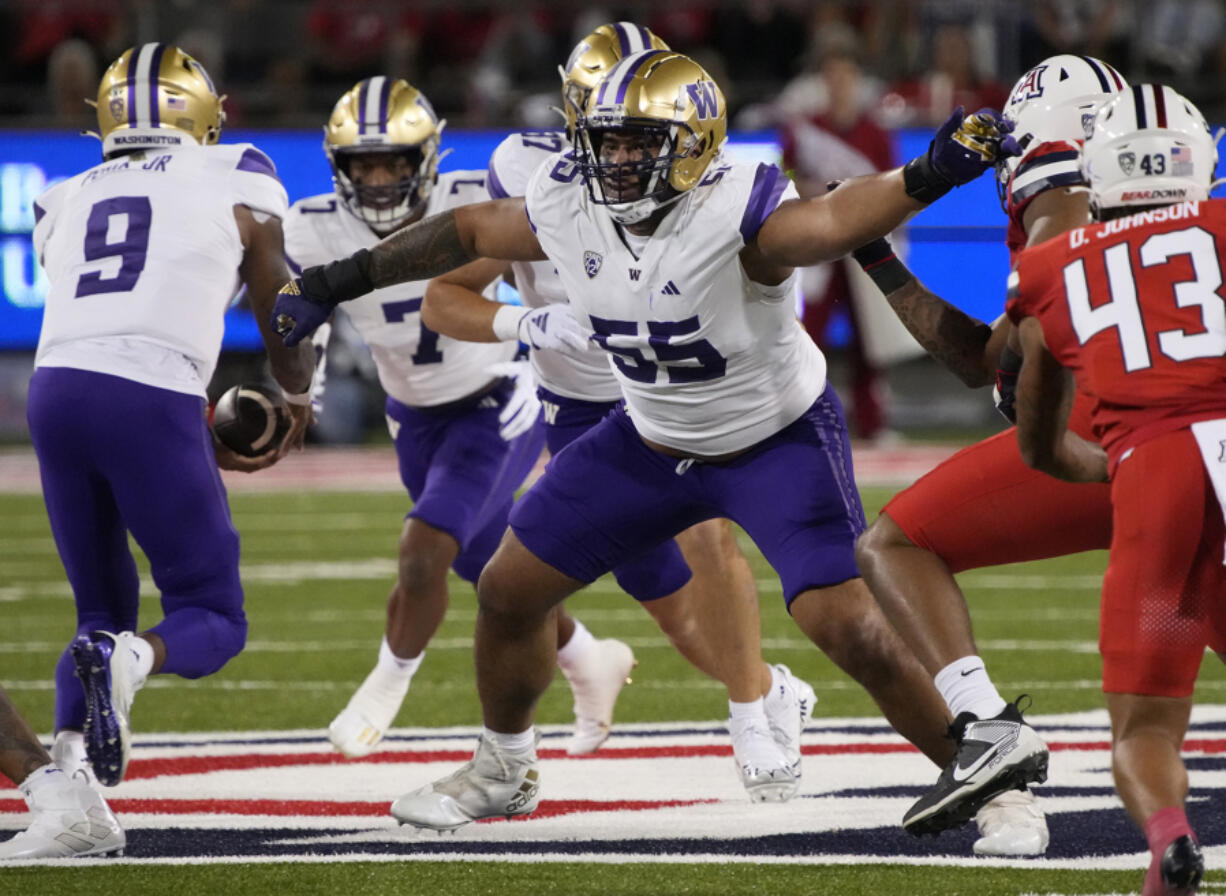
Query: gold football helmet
[(595, 55), (675, 110), (154, 96), (390, 117)]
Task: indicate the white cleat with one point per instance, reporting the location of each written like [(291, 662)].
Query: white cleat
[(360, 727), (106, 665), (493, 783), (71, 820), (789, 707), (1012, 824), (601, 674), (767, 774)]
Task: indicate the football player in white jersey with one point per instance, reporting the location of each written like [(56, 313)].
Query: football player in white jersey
[(143, 255), (60, 803), (682, 263), (462, 415), (712, 616)]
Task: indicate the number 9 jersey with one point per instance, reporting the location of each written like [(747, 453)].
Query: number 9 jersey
[(142, 253)]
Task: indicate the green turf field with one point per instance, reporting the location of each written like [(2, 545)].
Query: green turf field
[(317, 568)]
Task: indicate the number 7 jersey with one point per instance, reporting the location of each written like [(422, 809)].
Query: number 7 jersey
[(709, 362), (1133, 307), (142, 254)]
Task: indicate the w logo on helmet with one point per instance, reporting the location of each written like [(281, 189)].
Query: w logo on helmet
[(704, 98)]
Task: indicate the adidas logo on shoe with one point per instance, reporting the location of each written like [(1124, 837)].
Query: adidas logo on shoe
[(527, 792)]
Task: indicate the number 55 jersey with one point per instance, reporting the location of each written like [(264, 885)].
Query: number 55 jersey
[(1133, 307), (142, 254), (709, 362)]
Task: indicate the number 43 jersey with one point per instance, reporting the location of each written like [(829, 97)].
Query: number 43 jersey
[(416, 366), (142, 255), (709, 361), (1133, 307)]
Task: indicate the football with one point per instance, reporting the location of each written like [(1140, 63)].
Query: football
[(249, 419)]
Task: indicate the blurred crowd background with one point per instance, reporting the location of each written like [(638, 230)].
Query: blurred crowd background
[(831, 81), (494, 64)]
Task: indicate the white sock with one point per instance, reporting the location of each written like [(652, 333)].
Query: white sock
[(754, 709), (143, 651), (396, 666), (42, 778), (570, 654), (966, 687), (778, 687), (524, 742)]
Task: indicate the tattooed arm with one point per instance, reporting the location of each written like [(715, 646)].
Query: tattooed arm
[(965, 345), (497, 229)]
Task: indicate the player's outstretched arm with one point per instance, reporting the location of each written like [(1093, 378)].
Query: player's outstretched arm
[(454, 304), (963, 344), (1044, 398), (497, 229), (808, 231)]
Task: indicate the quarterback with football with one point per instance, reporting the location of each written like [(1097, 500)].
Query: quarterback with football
[(698, 587), (1132, 306), (143, 255), (681, 262), (463, 416), (984, 506)]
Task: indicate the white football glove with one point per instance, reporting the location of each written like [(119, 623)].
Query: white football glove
[(555, 327), (523, 407)]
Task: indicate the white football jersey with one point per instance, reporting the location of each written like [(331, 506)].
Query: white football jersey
[(142, 256), (709, 362), (416, 366), (584, 375)]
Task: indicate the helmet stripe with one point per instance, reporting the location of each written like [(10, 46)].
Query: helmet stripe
[(1138, 101), (633, 69), (1160, 105), (138, 77), (1115, 76), (385, 93), (1102, 76), (155, 68)]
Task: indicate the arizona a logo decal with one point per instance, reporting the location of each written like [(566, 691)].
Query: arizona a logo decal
[(591, 263)]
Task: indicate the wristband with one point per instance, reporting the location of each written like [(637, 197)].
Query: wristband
[(923, 182), (506, 322), (878, 260), (302, 399), (338, 281)]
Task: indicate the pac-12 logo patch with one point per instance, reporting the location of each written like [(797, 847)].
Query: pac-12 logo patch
[(591, 263), (1127, 161)]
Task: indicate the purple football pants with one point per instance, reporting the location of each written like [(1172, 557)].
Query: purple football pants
[(660, 570), (608, 497), (117, 456), (460, 473)]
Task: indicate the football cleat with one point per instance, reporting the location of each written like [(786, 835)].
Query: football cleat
[(994, 756), (766, 772), (1011, 824), (360, 727), (789, 707), (70, 820), (1182, 867), (596, 680), (493, 783), (106, 666)]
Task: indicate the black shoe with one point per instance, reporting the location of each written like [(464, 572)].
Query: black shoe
[(994, 755), (1183, 865)]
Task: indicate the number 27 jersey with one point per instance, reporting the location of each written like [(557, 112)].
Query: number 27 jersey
[(1133, 307)]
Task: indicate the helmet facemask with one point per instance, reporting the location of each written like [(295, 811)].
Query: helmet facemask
[(632, 188), (383, 206)]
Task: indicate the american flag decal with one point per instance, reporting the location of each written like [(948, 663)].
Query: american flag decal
[(176, 102), (1181, 161)]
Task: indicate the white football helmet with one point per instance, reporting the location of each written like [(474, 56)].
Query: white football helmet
[(1056, 100), (384, 115), (675, 106), (1148, 146), (155, 96)]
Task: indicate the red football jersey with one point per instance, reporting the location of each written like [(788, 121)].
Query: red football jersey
[(1134, 308)]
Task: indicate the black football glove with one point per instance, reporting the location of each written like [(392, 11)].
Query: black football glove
[(306, 302)]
